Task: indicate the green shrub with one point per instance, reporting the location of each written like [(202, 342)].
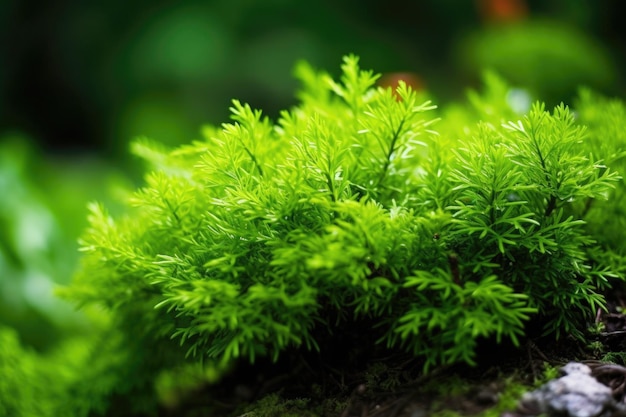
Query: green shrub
[(351, 215)]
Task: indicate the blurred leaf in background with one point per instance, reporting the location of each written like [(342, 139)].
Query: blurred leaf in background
[(42, 211), (92, 76), (548, 57)]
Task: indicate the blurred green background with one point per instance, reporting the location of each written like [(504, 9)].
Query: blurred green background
[(91, 75), (79, 80)]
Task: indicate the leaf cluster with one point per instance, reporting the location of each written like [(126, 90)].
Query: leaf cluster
[(356, 209)]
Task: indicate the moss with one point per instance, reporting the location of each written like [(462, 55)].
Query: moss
[(490, 397), (273, 406), (615, 357)]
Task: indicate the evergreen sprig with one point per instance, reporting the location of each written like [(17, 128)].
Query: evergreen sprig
[(355, 210), (519, 188)]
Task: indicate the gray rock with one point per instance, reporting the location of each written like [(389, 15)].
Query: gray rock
[(576, 394)]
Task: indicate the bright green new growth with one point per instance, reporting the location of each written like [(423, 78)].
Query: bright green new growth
[(352, 212)]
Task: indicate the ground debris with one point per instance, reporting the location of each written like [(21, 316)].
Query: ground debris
[(576, 394)]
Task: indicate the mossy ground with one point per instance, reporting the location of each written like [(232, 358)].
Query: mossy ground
[(386, 384), (391, 386), (445, 394)]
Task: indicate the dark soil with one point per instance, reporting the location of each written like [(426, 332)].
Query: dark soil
[(379, 383)]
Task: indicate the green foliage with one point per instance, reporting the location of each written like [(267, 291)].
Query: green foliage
[(350, 212), (606, 219), (21, 381), (70, 380), (53, 360), (273, 406), (517, 210), (615, 357)]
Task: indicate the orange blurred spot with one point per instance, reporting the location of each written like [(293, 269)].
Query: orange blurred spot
[(502, 10), (391, 80)]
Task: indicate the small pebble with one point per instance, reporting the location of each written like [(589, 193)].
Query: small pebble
[(576, 394)]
